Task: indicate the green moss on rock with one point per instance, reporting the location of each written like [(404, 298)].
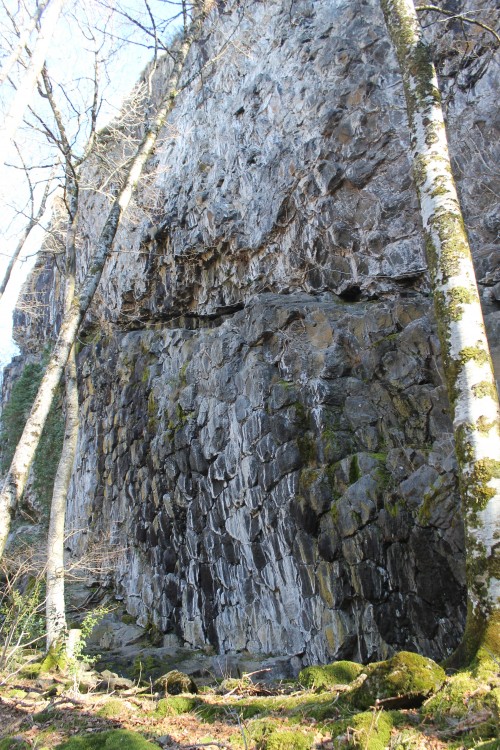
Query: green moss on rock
[(116, 739), (175, 683), (405, 674), (112, 709), (370, 730), (338, 673), (175, 705), (354, 470), (288, 739), (55, 661)]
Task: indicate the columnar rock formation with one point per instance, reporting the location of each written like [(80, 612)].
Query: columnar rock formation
[(264, 431)]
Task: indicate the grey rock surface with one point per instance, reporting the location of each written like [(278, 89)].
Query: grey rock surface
[(266, 503), (265, 439)]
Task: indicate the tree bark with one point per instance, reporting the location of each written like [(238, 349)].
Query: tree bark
[(24, 93), (55, 607), (466, 359), (16, 477), (55, 602)]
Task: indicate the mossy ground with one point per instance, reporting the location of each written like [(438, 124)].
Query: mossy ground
[(462, 713)]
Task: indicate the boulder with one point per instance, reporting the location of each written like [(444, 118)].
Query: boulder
[(338, 673), (403, 681), (175, 683)]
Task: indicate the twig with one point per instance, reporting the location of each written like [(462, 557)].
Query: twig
[(460, 17)]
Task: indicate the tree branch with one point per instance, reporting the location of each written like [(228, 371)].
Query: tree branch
[(459, 17)]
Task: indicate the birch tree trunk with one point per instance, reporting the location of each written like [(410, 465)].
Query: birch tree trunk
[(24, 93), (55, 607), (16, 477), (466, 358)]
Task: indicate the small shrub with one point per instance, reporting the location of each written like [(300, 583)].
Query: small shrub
[(22, 604)]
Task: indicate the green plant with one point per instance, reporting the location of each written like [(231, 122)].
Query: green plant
[(78, 658), (22, 603)]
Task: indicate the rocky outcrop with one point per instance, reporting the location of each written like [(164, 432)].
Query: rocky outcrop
[(281, 477), (265, 435)]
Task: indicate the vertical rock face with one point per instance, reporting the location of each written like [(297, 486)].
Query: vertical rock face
[(264, 432), (280, 477)]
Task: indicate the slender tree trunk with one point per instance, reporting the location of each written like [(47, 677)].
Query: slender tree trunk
[(466, 358), (35, 219), (55, 602), (16, 477), (24, 93)]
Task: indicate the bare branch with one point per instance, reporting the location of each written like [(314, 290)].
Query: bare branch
[(459, 17)]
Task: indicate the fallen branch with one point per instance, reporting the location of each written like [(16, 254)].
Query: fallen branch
[(466, 725)]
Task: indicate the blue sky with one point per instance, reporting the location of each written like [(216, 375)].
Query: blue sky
[(71, 64)]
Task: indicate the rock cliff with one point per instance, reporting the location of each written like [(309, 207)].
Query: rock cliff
[(265, 433)]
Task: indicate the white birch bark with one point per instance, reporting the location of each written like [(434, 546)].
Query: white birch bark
[(26, 88), (466, 359), (55, 607), (16, 477)]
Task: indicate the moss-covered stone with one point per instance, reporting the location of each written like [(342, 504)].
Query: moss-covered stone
[(405, 674), (259, 729), (175, 705), (288, 739), (116, 739), (175, 683), (338, 673), (464, 696), (370, 730), (55, 661), (112, 709)]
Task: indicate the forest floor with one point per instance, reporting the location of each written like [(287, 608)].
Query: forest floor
[(327, 708)]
